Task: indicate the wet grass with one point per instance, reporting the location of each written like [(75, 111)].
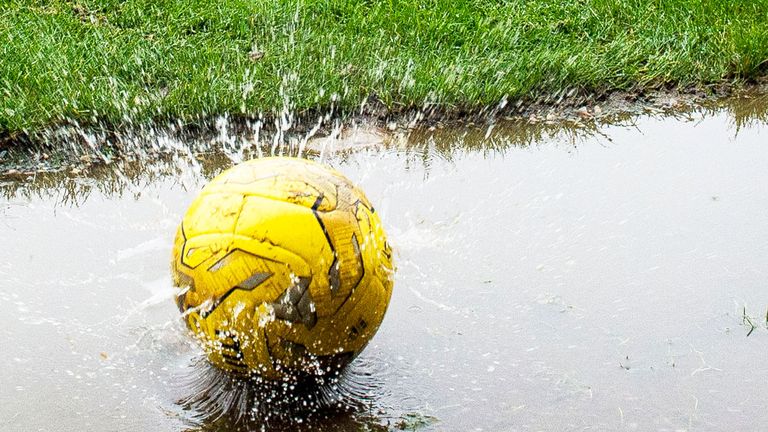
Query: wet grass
[(128, 61), (749, 322)]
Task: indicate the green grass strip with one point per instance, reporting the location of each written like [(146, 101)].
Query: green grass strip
[(137, 60)]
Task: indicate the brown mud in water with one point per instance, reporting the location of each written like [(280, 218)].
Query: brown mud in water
[(551, 276)]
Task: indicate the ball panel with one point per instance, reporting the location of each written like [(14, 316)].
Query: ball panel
[(345, 268), (202, 248), (376, 252), (292, 262), (283, 189), (349, 329), (285, 179), (363, 312), (212, 213), (227, 272), (287, 226)]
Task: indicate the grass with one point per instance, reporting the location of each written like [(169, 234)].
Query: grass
[(127, 61)]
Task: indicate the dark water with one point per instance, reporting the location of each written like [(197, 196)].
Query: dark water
[(549, 279)]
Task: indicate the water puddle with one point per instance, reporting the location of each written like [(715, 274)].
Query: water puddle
[(558, 279)]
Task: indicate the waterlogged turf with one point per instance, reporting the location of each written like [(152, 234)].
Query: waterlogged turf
[(557, 281)]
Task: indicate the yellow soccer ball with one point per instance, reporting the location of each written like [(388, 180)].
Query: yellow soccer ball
[(282, 269)]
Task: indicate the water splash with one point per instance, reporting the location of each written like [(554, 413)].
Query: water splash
[(217, 400)]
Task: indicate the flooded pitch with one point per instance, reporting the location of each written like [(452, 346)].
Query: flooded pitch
[(607, 280)]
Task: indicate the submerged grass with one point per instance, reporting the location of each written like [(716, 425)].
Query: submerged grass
[(124, 61)]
